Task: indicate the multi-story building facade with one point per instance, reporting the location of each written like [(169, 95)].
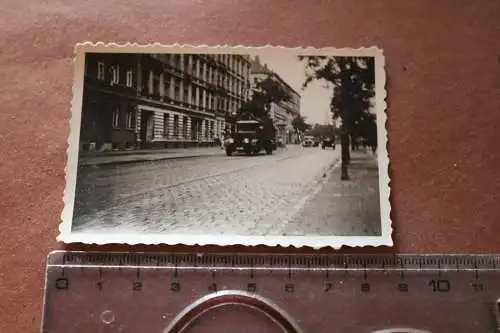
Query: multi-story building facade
[(160, 100), (283, 112)]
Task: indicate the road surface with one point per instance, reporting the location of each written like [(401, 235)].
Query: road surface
[(245, 195)]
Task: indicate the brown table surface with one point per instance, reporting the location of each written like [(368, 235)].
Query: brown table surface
[(443, 67)]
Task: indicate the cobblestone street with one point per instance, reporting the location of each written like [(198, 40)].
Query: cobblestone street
[(245, 195)]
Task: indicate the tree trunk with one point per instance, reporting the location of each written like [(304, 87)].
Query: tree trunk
[(348, 141), (348, 151), (344, 141)]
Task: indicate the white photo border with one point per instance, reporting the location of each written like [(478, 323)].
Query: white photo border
[(336, 242)]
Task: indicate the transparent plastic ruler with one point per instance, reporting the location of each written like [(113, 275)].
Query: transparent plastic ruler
[(169, 293)]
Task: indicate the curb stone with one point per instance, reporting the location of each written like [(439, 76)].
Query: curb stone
[(97, 164)]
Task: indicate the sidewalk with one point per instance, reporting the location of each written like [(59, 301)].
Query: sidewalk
[(145, 155), (343, 208)]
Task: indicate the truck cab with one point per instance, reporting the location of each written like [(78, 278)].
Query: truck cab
[(251, 137)]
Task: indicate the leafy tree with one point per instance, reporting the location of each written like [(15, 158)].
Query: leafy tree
[(299, 123), (267, 92), (352, 80), (366, 129), (320, 130)]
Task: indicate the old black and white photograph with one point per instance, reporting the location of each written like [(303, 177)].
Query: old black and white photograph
[(180, 144)]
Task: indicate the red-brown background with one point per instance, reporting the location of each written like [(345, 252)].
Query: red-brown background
[(443, 68)]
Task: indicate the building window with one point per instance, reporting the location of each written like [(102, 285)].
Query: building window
[(206, 129), (201, 73), (166, 87), (116, 75), (166, 125), (185, 127), (186, 93), (161, 85), (130, 119), (176, 126), (156, 86), (116, 118), (177, 61), (177, 90), (144, 81), (129, 78), (187, 59), (100, 70), (150, 83), (193, 95), (211, 129), (194, 71)]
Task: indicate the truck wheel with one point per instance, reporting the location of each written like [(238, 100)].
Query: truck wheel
[(269, 150), (229, 151)]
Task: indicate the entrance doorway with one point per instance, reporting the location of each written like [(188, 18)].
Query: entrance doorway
[(147, 127), (196, 129)]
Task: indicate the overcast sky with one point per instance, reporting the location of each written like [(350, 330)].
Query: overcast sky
[(315, 99)]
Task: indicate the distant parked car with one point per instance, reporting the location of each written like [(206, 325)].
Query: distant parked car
[(308, 141), (328, 142)]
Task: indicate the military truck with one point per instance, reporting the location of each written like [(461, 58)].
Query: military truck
[(251, 137)]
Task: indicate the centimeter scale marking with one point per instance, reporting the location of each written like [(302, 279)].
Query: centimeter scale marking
[(277, 261), (369, 293)]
